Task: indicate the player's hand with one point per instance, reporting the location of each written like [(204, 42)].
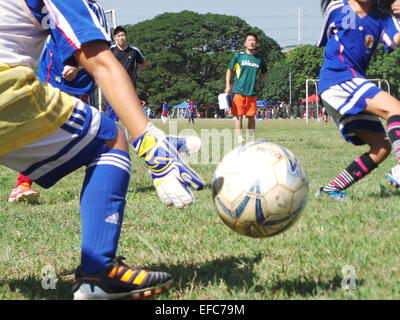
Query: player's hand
[(69, 73), (259, 85), (228, 90), (171, 176), (396, 7)]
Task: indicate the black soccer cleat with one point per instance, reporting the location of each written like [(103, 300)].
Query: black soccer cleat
[(119, 281)]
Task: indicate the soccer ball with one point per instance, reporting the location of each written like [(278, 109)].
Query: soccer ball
[(260, 189)]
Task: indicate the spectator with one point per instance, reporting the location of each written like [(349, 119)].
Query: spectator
[(191, 111), (133, 61), (164, 112), (246, 66)]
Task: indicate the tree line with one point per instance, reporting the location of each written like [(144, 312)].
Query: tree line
[(189, 53)]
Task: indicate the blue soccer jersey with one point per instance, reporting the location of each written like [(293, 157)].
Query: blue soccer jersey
[(350, 42), (36, 110), (50, 70), (51, 64), (71, 23)]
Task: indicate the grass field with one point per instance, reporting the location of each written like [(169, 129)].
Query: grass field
[(207, 259)]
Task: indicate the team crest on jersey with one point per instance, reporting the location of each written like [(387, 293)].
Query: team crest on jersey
[(369, 41)]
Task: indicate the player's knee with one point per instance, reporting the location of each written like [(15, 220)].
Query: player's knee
[(382, 151), (386, 149), (119, 142)]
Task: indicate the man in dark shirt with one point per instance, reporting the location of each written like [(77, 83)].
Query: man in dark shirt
[(131, 59)]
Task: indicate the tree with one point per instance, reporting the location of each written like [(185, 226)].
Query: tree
[(304, 62), (381, 67), (188, 54)]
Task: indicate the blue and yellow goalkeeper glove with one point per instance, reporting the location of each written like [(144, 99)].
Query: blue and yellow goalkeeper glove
[(172, 178)]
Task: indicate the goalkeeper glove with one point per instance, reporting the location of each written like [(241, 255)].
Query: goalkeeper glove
[(172, 178)]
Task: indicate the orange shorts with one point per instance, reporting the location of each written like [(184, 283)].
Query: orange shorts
[(244, 105)]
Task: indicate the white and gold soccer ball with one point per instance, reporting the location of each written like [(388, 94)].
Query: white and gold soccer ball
[(260, 189)]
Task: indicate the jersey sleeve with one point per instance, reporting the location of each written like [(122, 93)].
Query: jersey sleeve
[(72, 23), (391, 28), (139, 55), (100, 14), (233, 62), (332, 20)]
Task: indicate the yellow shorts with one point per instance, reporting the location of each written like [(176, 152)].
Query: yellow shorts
[(29, 109)]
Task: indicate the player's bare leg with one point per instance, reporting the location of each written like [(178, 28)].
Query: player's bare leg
[(380, 148), (238, 129), (251, 127), (388, 107)]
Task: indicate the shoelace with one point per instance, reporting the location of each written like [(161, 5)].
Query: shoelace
[(119, 260)]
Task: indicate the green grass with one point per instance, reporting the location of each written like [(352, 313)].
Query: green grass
[(207, 259)]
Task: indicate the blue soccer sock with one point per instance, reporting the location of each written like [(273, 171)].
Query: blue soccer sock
[(102, 208)]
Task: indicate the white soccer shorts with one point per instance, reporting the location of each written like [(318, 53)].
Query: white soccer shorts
[(75, 144), (345, 104)]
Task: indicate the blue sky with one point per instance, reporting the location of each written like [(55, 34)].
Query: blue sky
[(277, 18)]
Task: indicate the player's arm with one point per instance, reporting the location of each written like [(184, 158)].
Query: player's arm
[(228, 78), (262, 75), (115, 83), (261, 79), (396, 7), (229, 73), (396, 39), (142, 66), (171, 176)]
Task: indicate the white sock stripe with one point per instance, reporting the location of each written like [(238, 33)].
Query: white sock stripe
[(114, 157), (111, 160), (122, 157), (396, 144), (346, 176), (339, 183), (394, 127), (111, 163), (349, 179), (395, 171)]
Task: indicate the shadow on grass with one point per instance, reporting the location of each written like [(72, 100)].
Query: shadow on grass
[(384, 192), (306, 287), (31, 288), (142, 189), (150, 188), (236, 273)]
